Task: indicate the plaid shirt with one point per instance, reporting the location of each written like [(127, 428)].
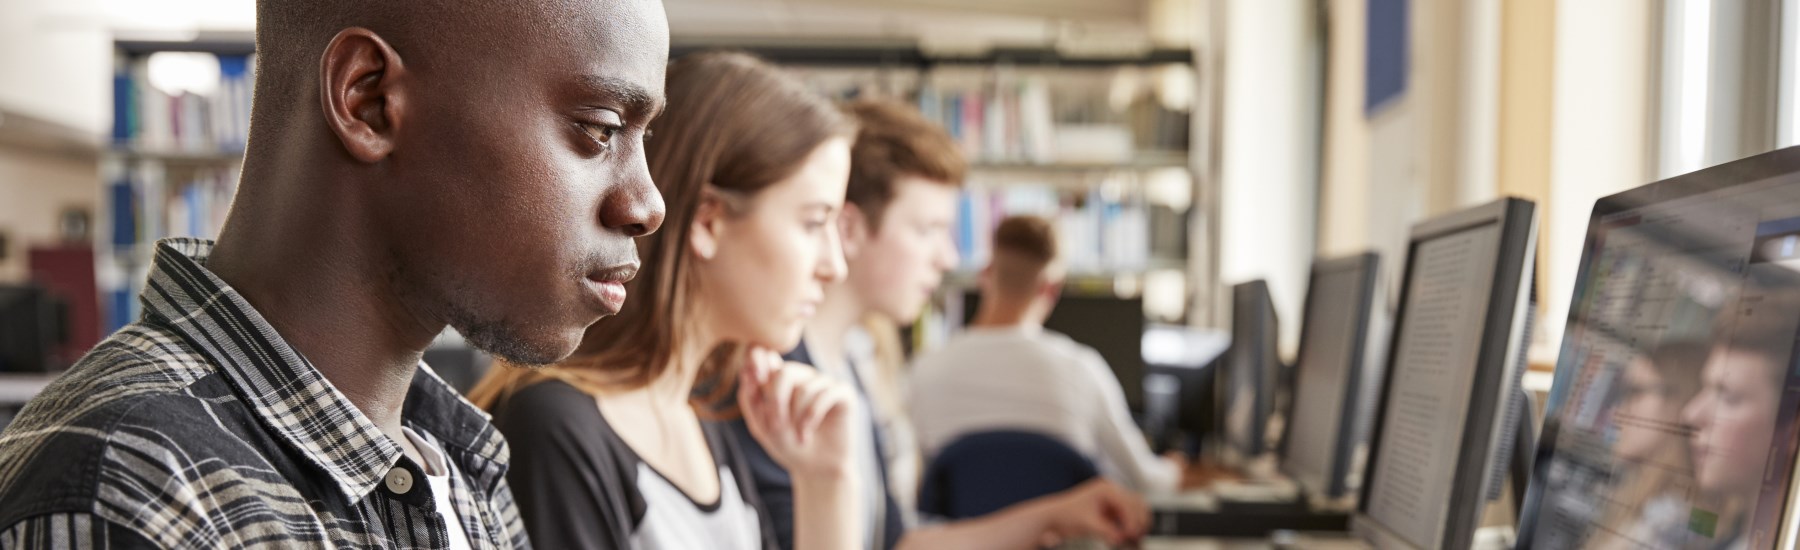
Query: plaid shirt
[(198, 427)]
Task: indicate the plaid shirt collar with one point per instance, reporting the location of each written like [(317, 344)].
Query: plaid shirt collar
[(292, 398)]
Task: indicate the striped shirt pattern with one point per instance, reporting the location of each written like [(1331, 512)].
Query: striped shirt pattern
[(199, 427)]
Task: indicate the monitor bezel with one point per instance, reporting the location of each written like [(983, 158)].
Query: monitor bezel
[(1367, 266), (1496, 368), (1744, 171)]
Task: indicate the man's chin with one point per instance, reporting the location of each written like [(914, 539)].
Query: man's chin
[(905, 314), (522, 351)]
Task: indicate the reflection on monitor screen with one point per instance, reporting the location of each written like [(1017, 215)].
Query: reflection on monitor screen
[(1672, 419), (1430, 381)]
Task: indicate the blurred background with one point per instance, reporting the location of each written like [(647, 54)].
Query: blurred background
[(1180, 145)]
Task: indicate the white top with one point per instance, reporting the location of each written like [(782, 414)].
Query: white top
[(673, 521), (1020, 378), (437, 473)]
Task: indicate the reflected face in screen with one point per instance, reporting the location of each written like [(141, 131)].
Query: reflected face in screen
[(1645, 414), (1734, 420)]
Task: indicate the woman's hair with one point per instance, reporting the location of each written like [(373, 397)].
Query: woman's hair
[(734, 126)]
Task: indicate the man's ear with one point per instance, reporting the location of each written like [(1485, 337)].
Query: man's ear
[(708, 225), (853, 227), (362, 88), (1051, 291)]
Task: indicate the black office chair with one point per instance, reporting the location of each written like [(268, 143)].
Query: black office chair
[(981, 473)]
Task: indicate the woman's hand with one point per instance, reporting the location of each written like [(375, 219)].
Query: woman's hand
[(801, 418)]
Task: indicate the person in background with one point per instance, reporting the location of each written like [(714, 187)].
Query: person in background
[(1007, 372), (617, 447), (272, 394), (901, 202)]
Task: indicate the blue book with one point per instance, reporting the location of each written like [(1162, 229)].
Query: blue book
[(965, 226), (124, 213), (953, 116), (123, 114)]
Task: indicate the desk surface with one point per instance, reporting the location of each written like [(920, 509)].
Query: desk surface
[(16, 389), (1308, 542)]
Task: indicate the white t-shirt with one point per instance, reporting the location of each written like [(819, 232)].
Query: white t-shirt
[(437, 473), (673, 521), (1027, 378)]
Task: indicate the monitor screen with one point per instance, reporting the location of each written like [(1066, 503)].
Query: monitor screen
[(1432, 373), (1252, 370), (1671, 423), (1328, 375)]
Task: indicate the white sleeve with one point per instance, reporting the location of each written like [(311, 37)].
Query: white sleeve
[(1121, 441)]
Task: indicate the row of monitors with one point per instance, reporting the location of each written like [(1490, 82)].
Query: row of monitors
[(1674, 417), (1437, 432)]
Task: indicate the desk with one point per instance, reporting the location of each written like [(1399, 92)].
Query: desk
[(1307, 542), (1486, 538), (1228, 505), (16, 389)]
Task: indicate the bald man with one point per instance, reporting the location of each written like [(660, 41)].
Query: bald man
[(411, 166)]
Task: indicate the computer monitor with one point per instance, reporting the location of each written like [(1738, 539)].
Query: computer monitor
[(1456, 353), (33, 325), (1672, 419), (1335, 377), (1248, 380), (1111, 325), (1182, 360)]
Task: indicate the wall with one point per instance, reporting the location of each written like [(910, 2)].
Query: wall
[(1527, 70), (1269, 149), (1432, 150), (1599, 133), (1539, 99), (1344, 184), (35, 188)]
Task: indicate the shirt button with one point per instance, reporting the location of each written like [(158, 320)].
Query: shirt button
[(399, 480)]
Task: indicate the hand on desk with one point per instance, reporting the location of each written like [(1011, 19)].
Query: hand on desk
[(1200, 474), (1098, 509)]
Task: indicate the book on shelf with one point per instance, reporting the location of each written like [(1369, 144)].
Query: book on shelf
[(1001, 123), (149, 118)]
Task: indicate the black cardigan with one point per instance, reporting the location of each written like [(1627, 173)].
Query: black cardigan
[(576, 482)]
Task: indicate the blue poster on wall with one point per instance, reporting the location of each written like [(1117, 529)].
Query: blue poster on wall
[(1387, 62)]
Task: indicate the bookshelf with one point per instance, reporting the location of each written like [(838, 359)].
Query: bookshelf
[(181, 112), (1100, 144)]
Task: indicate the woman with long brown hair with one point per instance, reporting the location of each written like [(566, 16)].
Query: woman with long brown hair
[(617, 447)]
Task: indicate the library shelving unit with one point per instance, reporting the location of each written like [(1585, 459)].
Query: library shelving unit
[(171, 162), (1101, 145), (1098, 144)]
